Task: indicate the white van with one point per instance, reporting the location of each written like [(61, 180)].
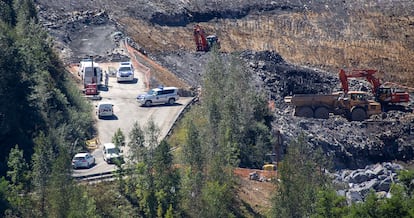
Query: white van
[(90, 72), (104, 109), (111, 153)]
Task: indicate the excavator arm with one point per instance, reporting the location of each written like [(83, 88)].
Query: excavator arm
[(367, 74), (200, 38), (385, 95)]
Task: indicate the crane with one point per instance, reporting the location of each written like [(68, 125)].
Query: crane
[(385, 95), (204, 43)]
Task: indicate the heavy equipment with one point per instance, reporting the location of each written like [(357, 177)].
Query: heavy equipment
[(388, 97), (202, 42), (355, 106)]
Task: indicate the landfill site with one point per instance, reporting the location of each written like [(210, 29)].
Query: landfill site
[(291, 48)]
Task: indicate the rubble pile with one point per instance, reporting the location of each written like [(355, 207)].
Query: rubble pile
[(355, 185), (350, 144)]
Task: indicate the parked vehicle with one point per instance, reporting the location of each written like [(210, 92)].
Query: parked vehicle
[(104, 109), (90, 72), (111, 153), (163, 95), (125, 72), (83, 160)]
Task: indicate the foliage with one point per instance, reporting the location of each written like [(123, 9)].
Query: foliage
[(329, 204), (301, 178), (136, 144), (217, 200), (119, 138)]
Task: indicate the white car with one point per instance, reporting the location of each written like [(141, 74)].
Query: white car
[(83, 160), (104, 109), (111, 153), (162, 95), (125, 72)]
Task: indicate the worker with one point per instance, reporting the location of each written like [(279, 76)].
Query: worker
[(106, 79)]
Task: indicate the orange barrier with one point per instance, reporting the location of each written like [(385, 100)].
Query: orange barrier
[(147, 71)]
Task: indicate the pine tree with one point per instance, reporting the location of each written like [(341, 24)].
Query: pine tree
[(42, 163), (166, 178), (193, 176), (300, 182), (119, 138), (19, 182), (136, 144)]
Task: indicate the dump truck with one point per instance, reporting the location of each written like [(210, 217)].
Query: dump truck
[(355, 105)]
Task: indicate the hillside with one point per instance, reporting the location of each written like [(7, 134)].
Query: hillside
[(326, 35), (274, 38), (289, 46)]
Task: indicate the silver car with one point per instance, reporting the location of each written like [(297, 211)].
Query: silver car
[(83, 160), (162, 95)]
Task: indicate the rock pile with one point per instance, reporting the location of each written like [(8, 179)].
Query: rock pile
[(356, 184), (351, 144)]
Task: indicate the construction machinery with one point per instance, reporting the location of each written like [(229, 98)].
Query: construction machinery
[(355, 106), (203, 42), (386, 96)]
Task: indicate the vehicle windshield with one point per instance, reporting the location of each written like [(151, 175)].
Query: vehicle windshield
[(113, 151), (125, 69), (78, 158), (151, 92)]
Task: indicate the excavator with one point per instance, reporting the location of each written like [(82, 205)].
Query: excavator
[(202, 42), (389, 98)]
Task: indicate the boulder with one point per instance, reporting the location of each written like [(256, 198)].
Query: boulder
[(353, 196), (359, 177), (384, 185)]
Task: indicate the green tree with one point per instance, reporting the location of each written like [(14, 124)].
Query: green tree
[(119, 138), (192, 179), (217, 200), (4, 192), (166, 179), (19, 181), (7, 13), (144, 174), (301, 178), (330, 205), (406, 177), (136, 144), (42, 163)]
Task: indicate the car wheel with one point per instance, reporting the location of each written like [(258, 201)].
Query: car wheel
[(171, 101), (88, 166), (148, 103)]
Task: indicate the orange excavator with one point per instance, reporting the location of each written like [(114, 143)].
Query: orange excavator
[(202, 42), (386, 96)]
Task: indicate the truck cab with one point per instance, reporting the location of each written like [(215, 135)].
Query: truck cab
[(359, 106)]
